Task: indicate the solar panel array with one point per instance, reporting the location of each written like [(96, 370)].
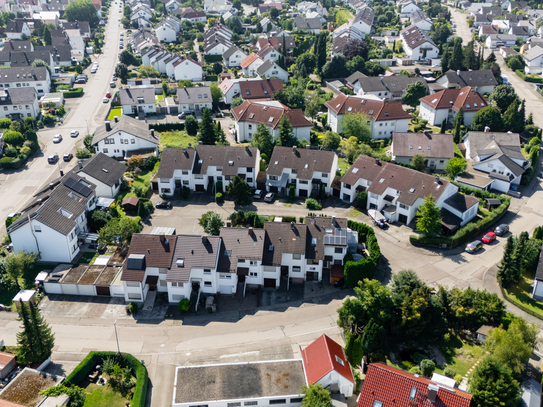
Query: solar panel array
[(78, 187), (339, 238)]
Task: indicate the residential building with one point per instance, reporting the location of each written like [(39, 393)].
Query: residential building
[(537, 291), (312, 25), (343, 36), (194, 99), (269, 53), (216, 44), (125, 137), (417, 44), (500, 40), (520, 32), (482, 81), (221, 9), (325, 363), (266, 7), (233, 56), (19, 45), (495, 161), (34, 77), (19, 103), (385, 87), (260, 89), (172, 5), (486, 29), (200, 168), (386, 385), (385, 116), (167, 29), (50, 225), (267, 25), (104, 173), (534, 60), (407, 8), (141, 13), (189, 14), (445, 105), (363, 21), (250, 64), (82, 26), (420, 20), (250, 114), (17, 28), (271, 69), (311, 172), (437, 148), (209, 3), (398, 191), (138, 101)]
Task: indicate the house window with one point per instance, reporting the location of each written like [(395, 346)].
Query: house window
[(324, 175), (133, 296), (207, 271), (132, 284), (253, 274), (297, 256), (249, 180), (225, 276), (5, 108), (250, 126), (347, 186), (207, 284), (338, 250), (340, 361), (296, 269), (296, 400), (303, 182), (241, 260), (236, 404), (251, 403), (177, 284), (278, 401), (413, 393), (377, 403), (403, 206), (104, 150), (294, 171), (185, 172), (185, 182), (249, 169), (37, 228), (133, 141), (27, 107)]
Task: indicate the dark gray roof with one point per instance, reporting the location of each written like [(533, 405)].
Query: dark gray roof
[(316, 229), (197, 94), (495, 143), (103, 168), (147, 251), (306, 161), (462, 202), (240, 243), (471, 78), (230, 51), (137, 128), (283, 238), (17, 45), (60, 53), (15, 26), (539, 270), (18, 96), (266, 66), (519, 31), (355, 76), (413, 37), (175, 159), (433, 145), (366, 15), (229, 157), (82, 26), (302, 23), (26, 74), (238, 381), (131, 96), (372, 84), (199, 252)]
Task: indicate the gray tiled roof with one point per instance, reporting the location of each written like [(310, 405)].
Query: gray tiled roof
[(26, 74), (508, 143), (285, 238), (471, 78), (19, 96), (241, 243), (103, 168), (306, 161), (130, 96), (433, 145), (137, 128), (175, 159), (230, 51), (197, 252), (197, 94)]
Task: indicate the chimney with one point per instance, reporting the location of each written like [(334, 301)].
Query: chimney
[(377, 161), (80, 164), (184, 150), (152, 132), (458, 72), (437, 179), (108, 125), (250, 231), (190, 145), (200, 143), (162, 238), (432, 392), (294, 149), (116, 118), (333, 221), (292, 226), (204, 239), (487, 129)]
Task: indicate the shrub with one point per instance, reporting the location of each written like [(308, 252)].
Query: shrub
[(449, 372), (218, 186), (133, 308), (6, 162), (415, 370), (364, 268), (73, 93), (291, 193), (142, 191), (48, 119), (312, 204), (218, 197), (185, 193), (458, 379), (183, 305), (82, 153), (10, 151), (427, 367), (167, 126), (26, 150), (13, 138), (361, 200)]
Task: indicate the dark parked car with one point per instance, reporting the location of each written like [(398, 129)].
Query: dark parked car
[(501, 229), (52, 159), (68, 157), (474, 246), (258, 194), (163, 205), (182, 115)]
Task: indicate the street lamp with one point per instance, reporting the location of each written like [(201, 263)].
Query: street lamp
[(116, 337)]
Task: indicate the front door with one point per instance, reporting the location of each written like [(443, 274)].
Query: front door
[(284, 270), (152, 287)]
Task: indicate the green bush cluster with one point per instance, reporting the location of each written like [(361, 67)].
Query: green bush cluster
[(212, 78), (142, 191), (212, 58), (312, 204), (94, 358), (364, 268), (251, 219), (73, 93), (218, 197), (167, 126), (533, 149)]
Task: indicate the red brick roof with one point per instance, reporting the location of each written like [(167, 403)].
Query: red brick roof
[(319, 359), (262, 89), (392, 387), (269, 113), (454, 99), (274, 42), (376, 110), (249, 60)]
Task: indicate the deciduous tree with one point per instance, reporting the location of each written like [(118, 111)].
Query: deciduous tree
[(263, 140), (429, 217), (211, 222), (81, 10), (492, 385), (413, 93), (316, 396), (455, 167), (356, 125), (331, 141), (418, 162), (489, 116), (503, 96)]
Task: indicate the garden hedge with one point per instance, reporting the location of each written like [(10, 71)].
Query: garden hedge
[(94, 358), (212, 58), (167, 126), (212, 78), (364, 268), (528, 78), (73, 93)]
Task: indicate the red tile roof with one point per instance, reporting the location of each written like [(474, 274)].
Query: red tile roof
[(319, 359), (392, 387), (262, 89), (249, 60), (466, 98), (274, 42), (376, 110), (269, 113)]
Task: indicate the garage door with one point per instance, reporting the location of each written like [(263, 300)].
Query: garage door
[(225, 289), (199, 188), (303, 193), (269, 282), (402, 218), (104, 291)]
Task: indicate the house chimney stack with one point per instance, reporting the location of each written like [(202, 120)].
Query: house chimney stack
[(437, 179), (487, 129), (61, 172), (377, 161), (152, 132), (294, 149), (432, 392), (292, 226), (80, 164), (307, 146), (108, 125), (458, 72)]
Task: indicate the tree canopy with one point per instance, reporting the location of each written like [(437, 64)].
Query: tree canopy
[(492, 385), (429, 216), (413, 93), (489, 116), (82, 10), (356, 125), (503, 96), (263, 140), (455, 167), (316, 396), (206, 128), (211, 222), (239, 190)]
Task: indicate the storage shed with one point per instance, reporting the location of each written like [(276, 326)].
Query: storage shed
[(7, 363)]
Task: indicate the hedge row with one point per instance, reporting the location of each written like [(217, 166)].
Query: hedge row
[(465, 233), (212, 78), (12, 163), (212, 58), (73, 93), (364, 268), (167, 126), (94, 358), (528, 78)]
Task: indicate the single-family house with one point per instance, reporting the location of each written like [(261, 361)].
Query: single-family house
[(482, 81), (259, 89), (104, 173), (534, 60), (250, 114), (194, 99), (385, 116), (250, 64), (19, 103), (221, 9), (189, 14), (16, 29), (267, 25), (325, 363), (407, 8), (398, 191), (488, 29), (167, 29), (124, 137), (34, 77), (311, 172), (495, 161), (420, 20), (445, 105), (172, 5), (82, 26), (437, 148), (384, 87), (417, 44), (312, 25), (266, 7), (50, 225), (500, 40), (138, 101), (363, 21), (269, 53), (271, 69), (233, 56), (386, 385)]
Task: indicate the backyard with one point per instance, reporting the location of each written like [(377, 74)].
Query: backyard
[(8, 290), (520, 295), (115, 111), (104, 396), (176, 139)]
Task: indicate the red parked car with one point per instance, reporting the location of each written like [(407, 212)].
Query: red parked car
[(108, 95), (489, 237)]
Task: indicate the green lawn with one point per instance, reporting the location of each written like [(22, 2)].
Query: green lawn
[(103, 396), (88, 258), (457, 152), (343, 16), (116, 111), (176, 139), (343, 165), (159, 97), (8, 290), (521, 294)]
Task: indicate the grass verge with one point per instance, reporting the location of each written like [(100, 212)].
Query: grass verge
[(520, 295), (353, 213)]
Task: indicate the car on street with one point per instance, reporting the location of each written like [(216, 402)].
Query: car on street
[(79, 81), (52, 159), (108, 95), (163, 205), (122, 34), (378, 218), (67, 157), (258, 194), (118, 19), (121, 46), (501, 229), (489, 237), (474, 246), (105, 100), (270, 196), (114, 78), (57, 138), (74, 133), (182, 115), (94, 69)]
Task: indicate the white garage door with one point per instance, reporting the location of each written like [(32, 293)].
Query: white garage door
[(69, 289), (225, 289), (52, 288), (86, 289)]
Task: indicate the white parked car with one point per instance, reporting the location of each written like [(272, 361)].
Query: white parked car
[(57, 138), (74, 133), (105, 100)]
